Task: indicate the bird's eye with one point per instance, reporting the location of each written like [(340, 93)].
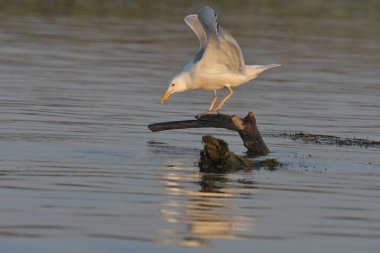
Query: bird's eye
[(173, 84)]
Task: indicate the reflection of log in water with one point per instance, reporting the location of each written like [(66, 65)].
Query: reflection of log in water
[(207, 213), (246, 128)]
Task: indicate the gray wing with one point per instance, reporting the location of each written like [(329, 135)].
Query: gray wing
[(193, 22), (222, 54), (232, 53), (209, 20)]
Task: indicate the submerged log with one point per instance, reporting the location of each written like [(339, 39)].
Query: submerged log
[(246, 128), (217, 158)]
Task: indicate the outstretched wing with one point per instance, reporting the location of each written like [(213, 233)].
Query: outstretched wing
[(209, 20), (232, 52), (193, 22), (222, 53), (205, 26)]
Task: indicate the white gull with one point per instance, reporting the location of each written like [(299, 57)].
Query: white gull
[(218, 64)]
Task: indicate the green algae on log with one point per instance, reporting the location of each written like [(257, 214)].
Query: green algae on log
[(246, 128), (217, 158)]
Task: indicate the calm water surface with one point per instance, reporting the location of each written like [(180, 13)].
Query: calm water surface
[(80, 171)]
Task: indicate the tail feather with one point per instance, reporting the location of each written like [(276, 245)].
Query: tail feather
[(253, 70)]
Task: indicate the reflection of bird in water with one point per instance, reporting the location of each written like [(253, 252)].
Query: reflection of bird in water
[(206, 213), (218, 64)]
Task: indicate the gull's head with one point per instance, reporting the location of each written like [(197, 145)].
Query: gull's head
[(178, 84)]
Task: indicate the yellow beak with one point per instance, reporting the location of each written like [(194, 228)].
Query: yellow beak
[(165, 97)]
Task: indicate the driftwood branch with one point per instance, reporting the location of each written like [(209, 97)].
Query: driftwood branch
[(246, 128)]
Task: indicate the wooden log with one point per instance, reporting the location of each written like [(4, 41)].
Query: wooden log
[(250, 135), (216, 157), (208, 120), (246, 128)]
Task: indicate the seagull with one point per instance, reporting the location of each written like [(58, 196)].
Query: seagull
[(218, 64)]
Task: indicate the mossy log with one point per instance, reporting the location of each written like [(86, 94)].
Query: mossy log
[(246, 128), (217, 158)]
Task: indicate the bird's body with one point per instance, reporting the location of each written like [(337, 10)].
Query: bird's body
[(219, 62)]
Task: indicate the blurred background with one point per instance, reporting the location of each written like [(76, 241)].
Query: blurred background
[(80, 81)]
